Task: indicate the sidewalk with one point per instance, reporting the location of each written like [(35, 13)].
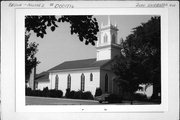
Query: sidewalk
[(68, 99), (58, 101)]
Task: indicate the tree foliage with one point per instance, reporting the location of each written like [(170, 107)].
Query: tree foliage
[(86, 27), (139, 60), (30, 59)]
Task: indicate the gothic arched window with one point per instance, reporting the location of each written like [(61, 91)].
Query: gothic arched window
[(82, 82), (91, 77), (56, 82), (106, 83), (69, 81), (36, 85), (105, 38)]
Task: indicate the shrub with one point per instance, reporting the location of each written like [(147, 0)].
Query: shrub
[(78, 94), (87, 95), (45, 92), (45, 89), (28, 91), (126, 96), (113, 98), (36, 93), (67, 95), (71, 94), (59, 93), (140, 97), (55, 93), (98, 92)]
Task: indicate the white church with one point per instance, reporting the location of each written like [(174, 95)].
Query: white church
[(86, 74)]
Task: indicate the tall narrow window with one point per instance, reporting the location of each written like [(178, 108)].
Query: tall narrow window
[(82, 82), (56, 82), (106, 83), (105, 38), (36, 85), (91, 77), (69, 81)]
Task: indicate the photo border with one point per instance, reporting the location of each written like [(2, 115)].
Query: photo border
[(20, 61)]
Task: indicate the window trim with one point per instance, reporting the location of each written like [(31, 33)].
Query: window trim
[(56, 82), (91, 77), (105, 38), (106, 83), (69, 81), (82, 82)]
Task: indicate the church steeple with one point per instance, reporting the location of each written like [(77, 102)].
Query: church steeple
[(108, 41), (109, 20)]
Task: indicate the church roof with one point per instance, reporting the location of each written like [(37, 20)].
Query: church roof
[(42, 77), (79, 64), (71, 65)]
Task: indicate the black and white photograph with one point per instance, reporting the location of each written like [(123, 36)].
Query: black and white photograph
[(110, 60), (93, 60)]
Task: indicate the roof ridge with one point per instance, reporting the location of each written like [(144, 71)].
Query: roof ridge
[(80, 60), (65, 62)]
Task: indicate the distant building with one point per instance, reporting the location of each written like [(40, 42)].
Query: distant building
[(146, 89), (88, 74), (30, 82)]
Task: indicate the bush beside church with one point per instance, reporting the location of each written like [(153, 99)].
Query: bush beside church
[(86, 95), (79, 94), (44, 93), (59, 94)]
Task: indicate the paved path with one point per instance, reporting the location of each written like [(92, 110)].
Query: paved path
[(63, 101), (58, 101)]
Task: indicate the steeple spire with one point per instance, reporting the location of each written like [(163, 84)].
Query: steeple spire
[(107, 45), (109, 20)]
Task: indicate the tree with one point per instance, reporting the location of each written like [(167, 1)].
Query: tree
[(86, 27), (139, 60), (124, 68), (30, 59), (148, 37)]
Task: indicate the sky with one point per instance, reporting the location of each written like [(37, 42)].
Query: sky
[(60, 46)]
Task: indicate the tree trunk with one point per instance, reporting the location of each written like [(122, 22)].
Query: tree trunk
[(131, 99)]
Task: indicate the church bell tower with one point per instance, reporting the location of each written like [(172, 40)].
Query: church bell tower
[(107, 45)]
